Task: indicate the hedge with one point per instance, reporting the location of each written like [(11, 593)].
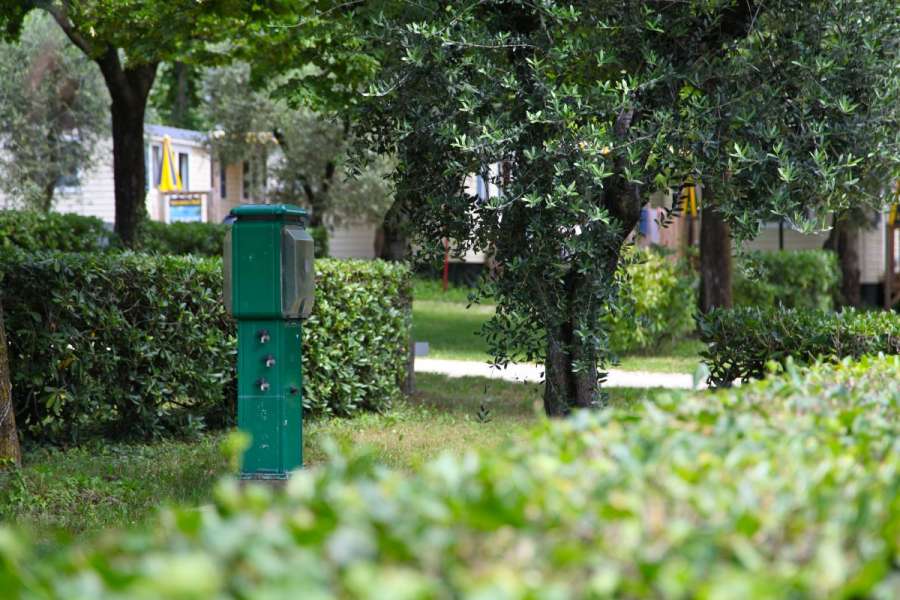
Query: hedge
[(67, 232), (798, 279), (203, 239), (787, 489), (131, 345), (741, 341), (356, 343), (35, 231), (657, 298)]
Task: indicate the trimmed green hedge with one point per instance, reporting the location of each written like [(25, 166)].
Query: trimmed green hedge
[(741, 341), (656, 304), (34, 231), (356, 342), (132, 345), (799, 279), (787, 489), (202, 239), (116, 344), (67, 232)]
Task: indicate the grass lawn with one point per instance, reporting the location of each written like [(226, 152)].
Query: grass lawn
[(83, 490), (681, 356), (451, 330)]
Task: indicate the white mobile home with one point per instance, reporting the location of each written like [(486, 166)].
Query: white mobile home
[(209, 189)]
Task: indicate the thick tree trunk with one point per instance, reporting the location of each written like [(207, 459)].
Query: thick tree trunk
[(558, 385), (128, 88), (844, 241), (571, 374), (181, 108), (9, 436), (129, 171), (715, 260)]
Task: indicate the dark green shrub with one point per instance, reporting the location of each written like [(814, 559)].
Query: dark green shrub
[(202, 239), (116, 344), (656, 304), (123, 344), (740, 342), (787, 488), (803, 279), (36, 231), (320, 238), (356, 342)]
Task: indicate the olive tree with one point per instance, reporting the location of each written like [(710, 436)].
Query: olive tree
[(587, 107), (301, 155)]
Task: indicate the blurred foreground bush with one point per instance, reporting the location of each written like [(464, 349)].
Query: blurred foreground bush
[(789, 488)]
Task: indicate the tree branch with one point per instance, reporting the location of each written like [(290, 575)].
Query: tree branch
[(61, 16)]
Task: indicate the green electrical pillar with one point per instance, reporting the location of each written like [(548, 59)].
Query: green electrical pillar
[(269, 286)]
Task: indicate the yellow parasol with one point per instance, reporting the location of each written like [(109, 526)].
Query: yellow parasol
[(689, 200), (170, 179)]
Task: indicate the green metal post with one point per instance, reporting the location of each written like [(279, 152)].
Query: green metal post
[(269, 282)]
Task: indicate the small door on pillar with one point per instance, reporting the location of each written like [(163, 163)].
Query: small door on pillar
[(259, 416)]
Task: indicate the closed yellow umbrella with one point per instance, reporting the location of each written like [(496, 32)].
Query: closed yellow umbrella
[(170, 179)]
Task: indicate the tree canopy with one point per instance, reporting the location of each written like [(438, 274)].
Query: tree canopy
[(128, 41), (298, 155), (587, 107), (53, 113)]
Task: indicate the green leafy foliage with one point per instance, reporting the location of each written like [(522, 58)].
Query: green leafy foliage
[(320, 239), (786, 488), (33, 231), (804, 279), (202, 239), (117, 344), (742, 341), (132, 345), (294, 155), (577, 110), (356, 343), (53, 112), (657, 297)]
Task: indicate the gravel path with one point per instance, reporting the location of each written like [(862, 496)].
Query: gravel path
[(533, 373)]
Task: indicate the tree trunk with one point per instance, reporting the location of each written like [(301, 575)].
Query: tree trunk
[(558, 385), (9, 436), (391, 243), (181, 106), (844, 241), (129, 171), (571, 374), (715, 260), (128, 88)]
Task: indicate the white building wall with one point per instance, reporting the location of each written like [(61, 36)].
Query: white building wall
[(352, 241), (96, 196)]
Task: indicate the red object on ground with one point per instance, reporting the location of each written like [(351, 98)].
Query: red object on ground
[(446, 263)]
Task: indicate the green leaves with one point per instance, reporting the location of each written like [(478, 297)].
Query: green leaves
[(131, 345), (741, 342), (783, 488), (657, 302), (806, 279)]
